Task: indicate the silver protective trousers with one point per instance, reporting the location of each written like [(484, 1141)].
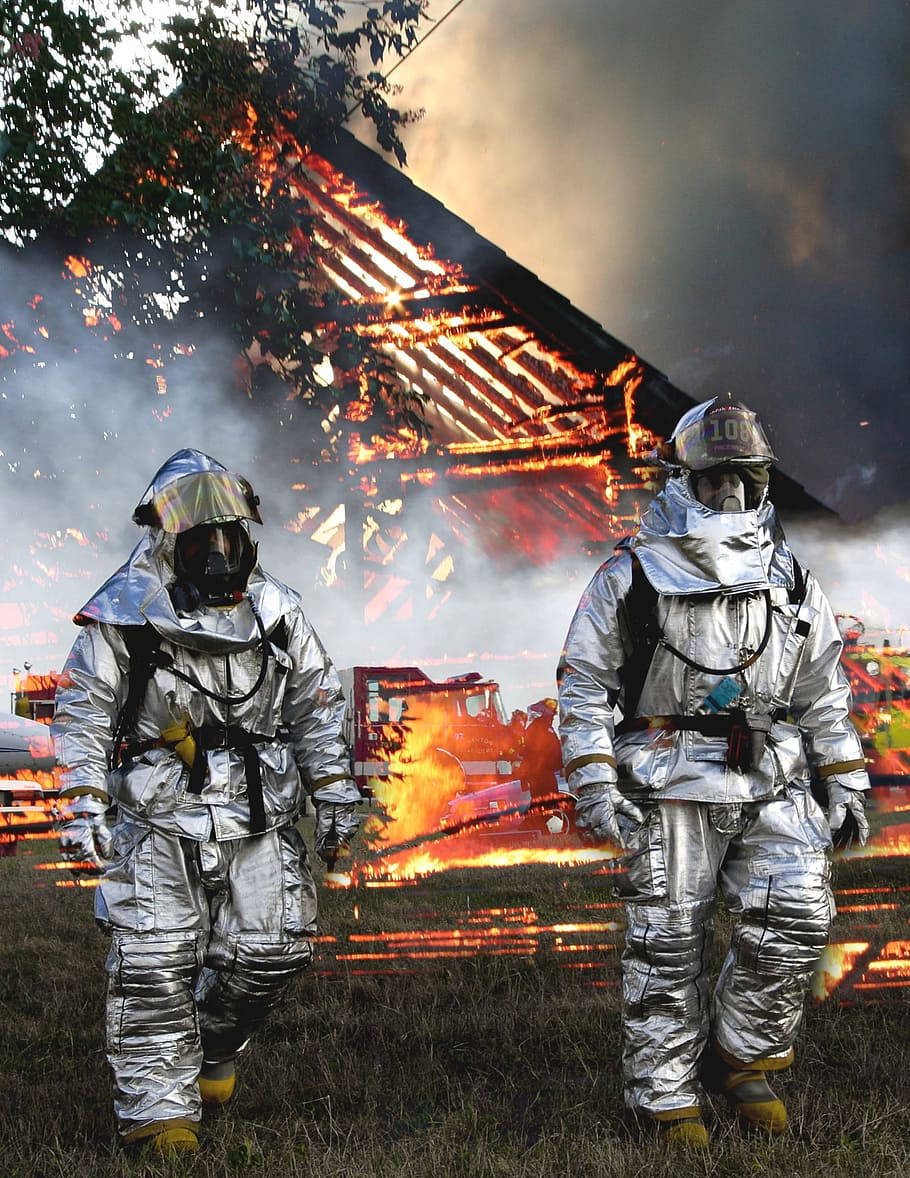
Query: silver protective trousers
[(206, 937), (770, 862)]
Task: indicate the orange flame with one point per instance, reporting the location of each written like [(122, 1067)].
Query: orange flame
[(889, 841), (78, 267), (835, 963), (422, 779), (891, 969)]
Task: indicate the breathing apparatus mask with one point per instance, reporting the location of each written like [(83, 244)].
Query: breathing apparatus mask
[(213, 562), (730, 487), (722, 449)]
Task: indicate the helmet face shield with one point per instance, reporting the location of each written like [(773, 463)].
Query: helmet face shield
[(201, 498), (728, 434)]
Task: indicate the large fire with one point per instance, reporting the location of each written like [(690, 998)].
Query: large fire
[(509, 409), (433, 819)]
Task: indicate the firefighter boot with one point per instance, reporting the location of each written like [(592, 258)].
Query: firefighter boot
[(754, 1101), (168, 1139), (682, 1127), (217, 1082), (746, 1087)]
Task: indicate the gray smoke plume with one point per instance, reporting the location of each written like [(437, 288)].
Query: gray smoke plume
[(723, 184)]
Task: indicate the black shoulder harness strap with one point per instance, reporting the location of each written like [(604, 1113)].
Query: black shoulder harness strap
[(645, 631), (142, 645), (797, 594), (278, 635)]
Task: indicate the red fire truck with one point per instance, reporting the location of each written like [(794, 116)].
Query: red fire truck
[(880, 681), (470, 733)]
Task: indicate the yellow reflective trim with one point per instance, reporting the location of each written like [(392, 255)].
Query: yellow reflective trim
[(590, 759), (82, 791), (840, 767), (772, 1063), (319, 782)]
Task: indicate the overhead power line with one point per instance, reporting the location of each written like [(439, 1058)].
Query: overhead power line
[(429, 33), (404, 57)]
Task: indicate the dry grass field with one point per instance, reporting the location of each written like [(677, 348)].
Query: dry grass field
[(468, 1026)]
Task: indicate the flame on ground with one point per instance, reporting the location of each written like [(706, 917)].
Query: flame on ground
[(890, 841), (459, 852)]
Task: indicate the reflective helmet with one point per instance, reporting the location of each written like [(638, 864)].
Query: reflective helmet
[(191, 489), (715, 433), (206, 506)]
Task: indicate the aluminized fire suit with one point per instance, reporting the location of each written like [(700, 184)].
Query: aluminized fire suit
[(756, 833), (208, 894)]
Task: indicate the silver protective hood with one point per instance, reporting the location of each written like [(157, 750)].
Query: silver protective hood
[(685, 548), (138, 591)]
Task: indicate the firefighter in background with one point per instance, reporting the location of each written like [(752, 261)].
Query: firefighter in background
[(541, 756), (722, 654), (195, 708)]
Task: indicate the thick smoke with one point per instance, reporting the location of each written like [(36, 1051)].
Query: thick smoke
[(722, 184), (864, 570)]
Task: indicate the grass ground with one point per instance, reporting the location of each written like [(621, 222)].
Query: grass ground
[(489, 1064)]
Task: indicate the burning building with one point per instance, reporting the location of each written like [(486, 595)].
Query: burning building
[(539, 420)]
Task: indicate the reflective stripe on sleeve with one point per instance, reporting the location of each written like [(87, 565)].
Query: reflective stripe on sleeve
[(840, 767), (590, 759), (81, 791)]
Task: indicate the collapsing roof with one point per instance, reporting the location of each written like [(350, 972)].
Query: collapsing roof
[(539, 419)]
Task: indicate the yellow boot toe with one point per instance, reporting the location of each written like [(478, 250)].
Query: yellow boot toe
[(217, 1083), (754, 1101), (167, 1138)]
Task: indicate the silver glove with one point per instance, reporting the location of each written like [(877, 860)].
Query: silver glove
[(336, 825), (84, 836), (847, 814), (597, 807), (337, 820)]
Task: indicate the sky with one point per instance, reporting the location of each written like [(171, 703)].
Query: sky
[(724, 186)]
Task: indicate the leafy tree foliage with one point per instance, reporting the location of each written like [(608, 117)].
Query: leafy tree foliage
[(169, 180)]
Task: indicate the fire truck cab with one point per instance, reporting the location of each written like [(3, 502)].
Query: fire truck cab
[(469, 729)]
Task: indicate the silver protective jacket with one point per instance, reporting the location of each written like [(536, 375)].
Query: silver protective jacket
[(296, 713), (714, 575)]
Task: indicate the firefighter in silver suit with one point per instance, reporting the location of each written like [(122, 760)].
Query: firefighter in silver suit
[(721, 653), (196, 708)]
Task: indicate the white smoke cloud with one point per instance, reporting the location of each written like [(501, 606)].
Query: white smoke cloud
[(863, 568)]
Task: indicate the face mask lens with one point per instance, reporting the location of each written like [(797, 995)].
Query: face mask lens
[(222, 550), (216, 558), (731, 488)]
